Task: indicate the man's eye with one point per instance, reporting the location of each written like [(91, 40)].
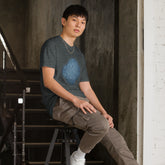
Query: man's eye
[(83, 22), (74, 19)]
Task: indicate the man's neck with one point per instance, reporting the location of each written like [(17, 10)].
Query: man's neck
[(68, 40)]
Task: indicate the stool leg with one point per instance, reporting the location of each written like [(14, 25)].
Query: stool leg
[(51, 146), (67, 148), (75, 133)]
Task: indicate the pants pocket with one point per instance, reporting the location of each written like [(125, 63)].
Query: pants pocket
[(64, 111), (80, 120)]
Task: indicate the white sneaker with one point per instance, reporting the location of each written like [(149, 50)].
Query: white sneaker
[(74, 161)]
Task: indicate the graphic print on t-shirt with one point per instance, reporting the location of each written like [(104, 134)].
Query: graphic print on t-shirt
[(71, 71)]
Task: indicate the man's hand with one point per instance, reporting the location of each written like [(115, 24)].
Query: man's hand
[(84, 105), (110, 120)]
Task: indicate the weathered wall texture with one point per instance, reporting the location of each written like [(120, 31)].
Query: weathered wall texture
[(12, 15), (127, 114), (99, 48), (154, 82), (43, 20)]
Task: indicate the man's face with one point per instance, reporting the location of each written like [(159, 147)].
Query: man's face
[(74, 26)]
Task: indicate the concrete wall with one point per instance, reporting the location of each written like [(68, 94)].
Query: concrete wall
[(99, 49), (43, 20), (12, 16), (127, 114), (154, 82)]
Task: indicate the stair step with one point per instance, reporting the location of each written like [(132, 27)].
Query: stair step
[(44, 134), (10, 80), (29, 74), (42, 126), (42, 162), (95, 162), (31, 102), (40, 144), (40, 117), (59, 141), (59, 162), (31, 110), (18, 88), (36, 110), (19, 95), (19, 81), (46, 144), (38, 126)]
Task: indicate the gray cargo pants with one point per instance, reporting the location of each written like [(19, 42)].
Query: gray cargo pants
[(96, 129)]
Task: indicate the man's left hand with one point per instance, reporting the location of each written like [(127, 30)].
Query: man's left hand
[(110, 120)]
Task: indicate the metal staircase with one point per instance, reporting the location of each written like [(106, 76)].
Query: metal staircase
[(33, 128)]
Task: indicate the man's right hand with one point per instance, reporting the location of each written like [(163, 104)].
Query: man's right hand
[(84, 105)]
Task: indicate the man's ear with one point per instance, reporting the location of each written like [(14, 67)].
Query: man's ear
[(63, 21)]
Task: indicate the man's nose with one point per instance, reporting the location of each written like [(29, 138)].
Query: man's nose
[(78, 24)]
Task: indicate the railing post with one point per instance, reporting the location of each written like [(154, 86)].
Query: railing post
[(15, 141), (23, 127), (4, 81), (4, 61)]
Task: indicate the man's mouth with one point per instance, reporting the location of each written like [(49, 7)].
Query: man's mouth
[(76, 30)]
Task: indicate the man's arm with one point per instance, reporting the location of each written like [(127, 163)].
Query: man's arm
[(55, 87), (90, 94)]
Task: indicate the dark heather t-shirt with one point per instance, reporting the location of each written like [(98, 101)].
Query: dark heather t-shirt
[(70, 69)]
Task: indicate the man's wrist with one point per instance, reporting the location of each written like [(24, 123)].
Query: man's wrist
[(74, 99), (104, 112)]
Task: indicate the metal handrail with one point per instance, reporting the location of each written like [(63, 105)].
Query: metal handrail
[(23, 79), (12, 58), (9, 51)]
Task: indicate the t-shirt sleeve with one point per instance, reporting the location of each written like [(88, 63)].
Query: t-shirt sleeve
[(48, 55), (84, 73)]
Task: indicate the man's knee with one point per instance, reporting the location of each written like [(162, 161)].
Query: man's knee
[(100, 126), (104, 126)]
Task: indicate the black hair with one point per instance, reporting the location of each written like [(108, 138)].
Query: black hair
[(77, 10)]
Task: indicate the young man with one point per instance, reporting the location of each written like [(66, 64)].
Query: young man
[(68, 95)]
